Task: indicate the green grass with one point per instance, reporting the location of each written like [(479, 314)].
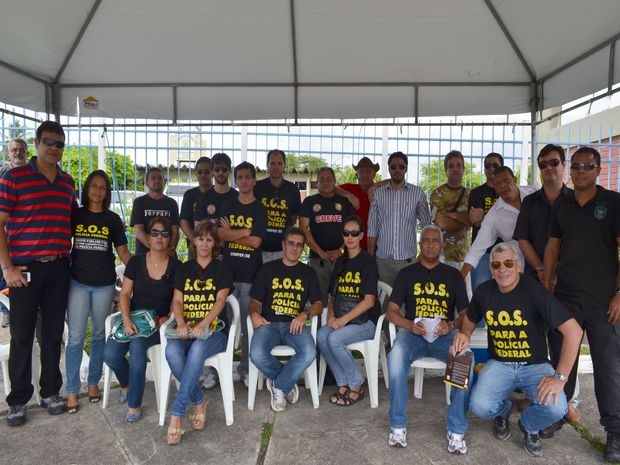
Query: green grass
[(584, 350), (264, 442)]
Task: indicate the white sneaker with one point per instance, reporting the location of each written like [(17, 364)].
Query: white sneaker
[(398, 437), (293, 396), (278, 399), (211, 378), (456, 443)]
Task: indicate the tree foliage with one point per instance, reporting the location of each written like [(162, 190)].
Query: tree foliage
[(304, 163)]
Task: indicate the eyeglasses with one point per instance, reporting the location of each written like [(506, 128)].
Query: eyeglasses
[(221, 169), (583, 166), (206, 171), (489, 166), (354, 233), (297, 245), (51, 142), (159, 232), (508, 263), (554, 163), (394, 166)]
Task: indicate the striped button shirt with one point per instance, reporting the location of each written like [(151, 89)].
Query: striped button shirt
[(39, 221), (393, 217)]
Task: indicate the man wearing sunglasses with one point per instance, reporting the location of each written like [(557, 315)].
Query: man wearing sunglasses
[(481, 200), (152, 205), (36, 201), (500, 222), (202, 168), (582, 252), (396, 209), (517, 309), (282, 200), (429, 290), (209, 204)]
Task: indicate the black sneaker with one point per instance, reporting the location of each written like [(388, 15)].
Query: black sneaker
[(16, 415), (501, 427), (531, 442), (550, 430), (55, 404), (612, 448)]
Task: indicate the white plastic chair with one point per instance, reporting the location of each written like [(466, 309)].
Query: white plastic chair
[(154, 355), (222, 362), (256, 378), (120, 274), (373, 351), (4, 361)]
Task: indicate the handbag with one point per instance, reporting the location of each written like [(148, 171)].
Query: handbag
[(215, 326), (144, 320)]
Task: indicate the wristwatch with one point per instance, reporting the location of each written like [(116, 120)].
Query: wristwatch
[(560, 376)]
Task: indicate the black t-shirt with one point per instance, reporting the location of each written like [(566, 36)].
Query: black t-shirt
[(188, 204), (200, 287), (149, 293), (284, 290), (244, 260), (208, 205), (426, 293), (351, 281), (483, 197), (517, 320), (326, 216), (588, 263), (281, 203), (533, 223), (94, 237), (145, 208)]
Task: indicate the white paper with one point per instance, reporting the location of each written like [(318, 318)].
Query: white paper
[(429, 324)]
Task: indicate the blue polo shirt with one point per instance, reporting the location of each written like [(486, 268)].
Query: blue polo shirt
[(39, 222)]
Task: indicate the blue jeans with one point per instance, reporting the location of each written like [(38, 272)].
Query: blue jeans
[(496, 380), (283, 375), (186, 358), (333, 346), (407, 348), (83, 301), (130, 373), (482, 272)]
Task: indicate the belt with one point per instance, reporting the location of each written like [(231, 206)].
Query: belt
[(48, 258)]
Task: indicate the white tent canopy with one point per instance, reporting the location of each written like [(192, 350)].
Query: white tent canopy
[(294, 59)]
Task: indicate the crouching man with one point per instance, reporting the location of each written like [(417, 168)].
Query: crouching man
[(279, 295), (517, 310), (429, 289)]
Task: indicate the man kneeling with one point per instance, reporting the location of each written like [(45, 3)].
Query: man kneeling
[(429, 289), (517, 311), (279, 295)]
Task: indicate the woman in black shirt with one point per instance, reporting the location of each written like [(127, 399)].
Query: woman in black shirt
[(147, 285)]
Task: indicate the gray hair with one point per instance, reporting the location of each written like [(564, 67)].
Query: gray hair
[(504, 247), (431, 227)]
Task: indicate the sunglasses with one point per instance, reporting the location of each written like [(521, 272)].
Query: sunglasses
[(297, 245), (508, 263), (554, 163), (206, 171), (488, 166), (397, 167), (159, 232), (51, 142), (583, 166), (354, 233), (221, 170)]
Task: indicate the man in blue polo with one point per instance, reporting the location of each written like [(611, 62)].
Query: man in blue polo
[(36, 200)]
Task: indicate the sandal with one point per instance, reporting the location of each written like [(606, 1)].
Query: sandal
[(573, 415), (339, 395), (94, 398), (174, 435), (360, 393), (199, 419), (71, 409)]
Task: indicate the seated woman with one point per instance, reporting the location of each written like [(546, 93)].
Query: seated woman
[(96, 231), (201, 288), (147, 285), (352, 294)]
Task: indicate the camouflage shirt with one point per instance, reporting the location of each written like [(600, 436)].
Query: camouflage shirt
[(443, 200)]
